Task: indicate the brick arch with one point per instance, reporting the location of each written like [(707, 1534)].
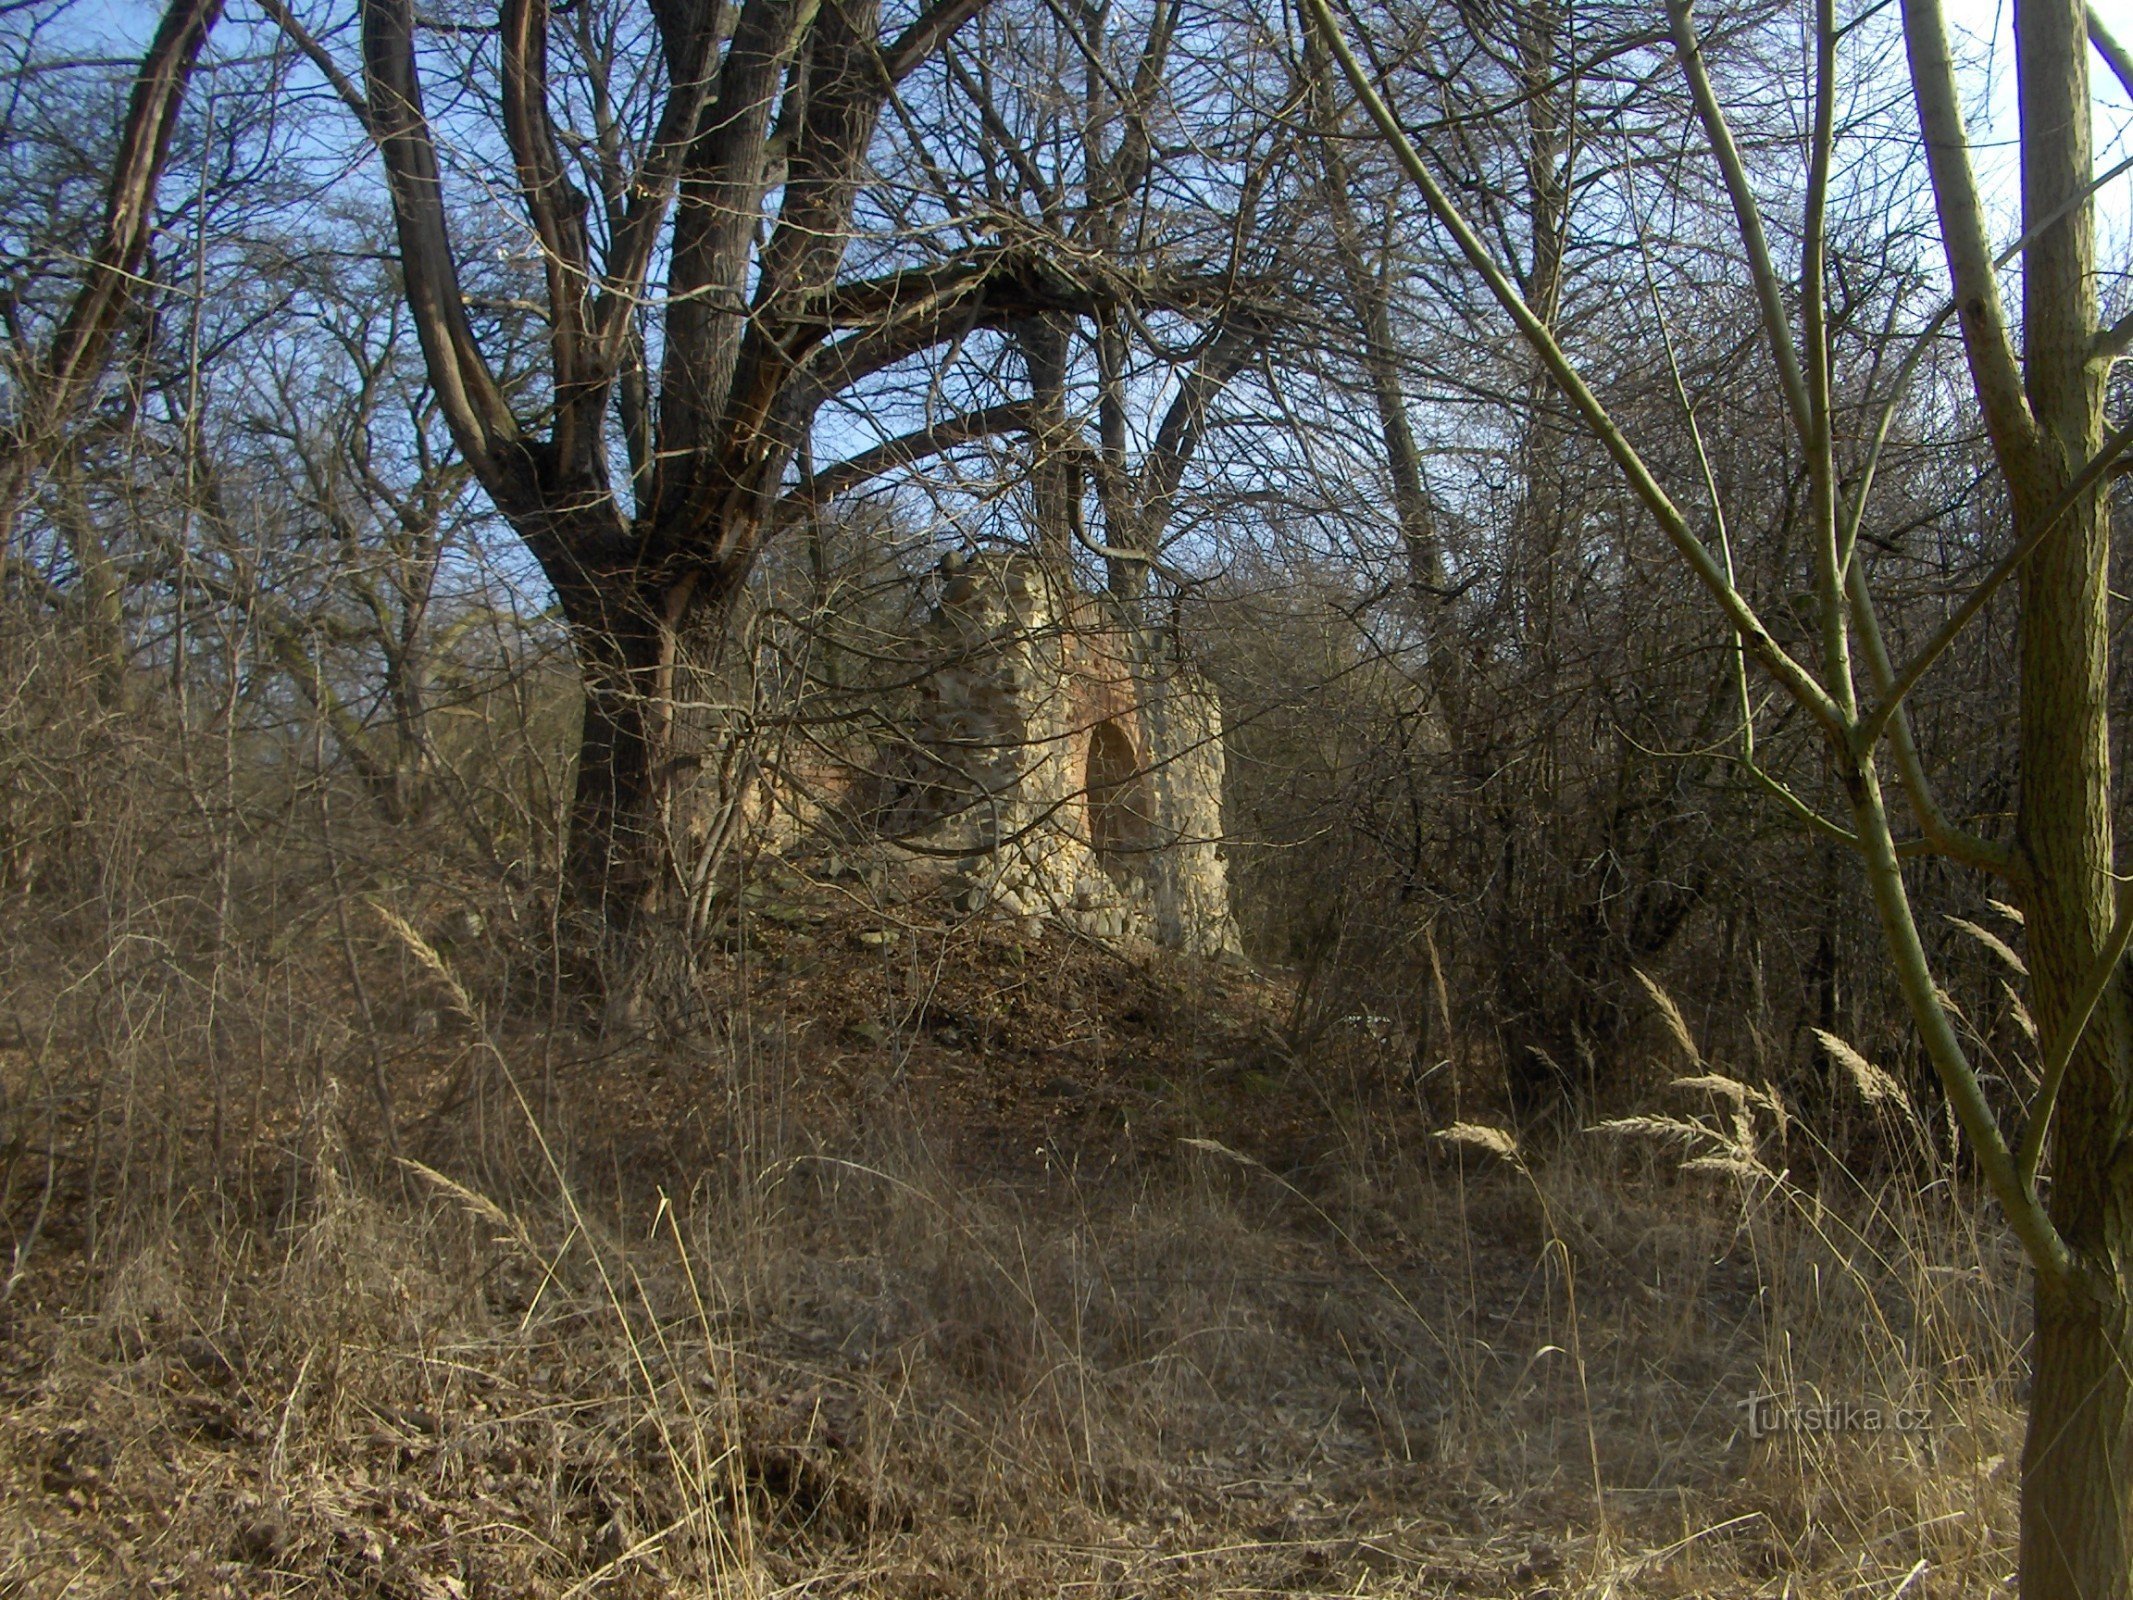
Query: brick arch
[(1115, 790)]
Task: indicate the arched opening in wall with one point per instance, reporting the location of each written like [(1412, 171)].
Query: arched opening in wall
[(1117, 791)]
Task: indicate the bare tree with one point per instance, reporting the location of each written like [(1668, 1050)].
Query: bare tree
[(54, 380), (725, 148), (2043, 410), (1509, 616), (1115, 410)]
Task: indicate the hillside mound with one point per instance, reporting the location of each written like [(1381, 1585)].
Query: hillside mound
[(932, 1256)]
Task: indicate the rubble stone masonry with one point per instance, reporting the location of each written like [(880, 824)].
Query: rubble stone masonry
[(1069, 773)]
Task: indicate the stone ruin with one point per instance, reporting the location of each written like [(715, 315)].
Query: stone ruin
[(1063, 772)]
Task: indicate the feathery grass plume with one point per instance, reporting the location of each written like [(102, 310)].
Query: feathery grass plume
[(1993, 942), (1719, 1084), (1732, 1150), (480, 1204), (2019, 1011), (1670, 1014), (2012, 913), (1483, 1137), (1875, 1086), (1779, 1111), (1661, 1128), (1747, 1142), (426, 953), (1215, 1147), (1742, 1095)]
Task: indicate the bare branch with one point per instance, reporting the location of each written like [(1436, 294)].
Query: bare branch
[(467, 391), (719, 209), (2113, 53), (82, 345), (903, 451), (557, 211), (308, 45), (1876, 722), (1178, 434), (911, 48), (2029, 1155), (1797, 680), (1777, 327), (1986, 338), (1942, 835)]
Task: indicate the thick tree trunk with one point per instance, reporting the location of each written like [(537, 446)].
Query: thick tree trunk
[(2076, 1542), (608, 860), (1055, 472), (2077, 1488), (2077, 1492), (662, 765)]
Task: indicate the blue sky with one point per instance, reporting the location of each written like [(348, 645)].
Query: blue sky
[(122, 27)]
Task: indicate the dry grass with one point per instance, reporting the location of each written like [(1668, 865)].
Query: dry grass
[(936, 1262), (855, 1349)]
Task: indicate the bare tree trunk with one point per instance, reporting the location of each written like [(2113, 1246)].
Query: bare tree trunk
[(1370, 294), (2077, 1501), (2074, 1534), (100, 594), (608, 859), (1543, 445), (67, 373), (664, 774), (659, 678), (2042, 408), (1055, 472)]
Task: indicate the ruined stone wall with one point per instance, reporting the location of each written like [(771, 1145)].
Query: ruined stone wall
[(1065, 776), (1187, 870)]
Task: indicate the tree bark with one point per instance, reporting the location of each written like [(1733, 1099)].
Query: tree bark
[(1055, 470), (607, 860), (2075, 1543), (2077, 1496), (653, 656), (662, 770)]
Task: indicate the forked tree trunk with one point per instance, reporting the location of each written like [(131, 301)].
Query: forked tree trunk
[(660, 767), (607, 862)]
